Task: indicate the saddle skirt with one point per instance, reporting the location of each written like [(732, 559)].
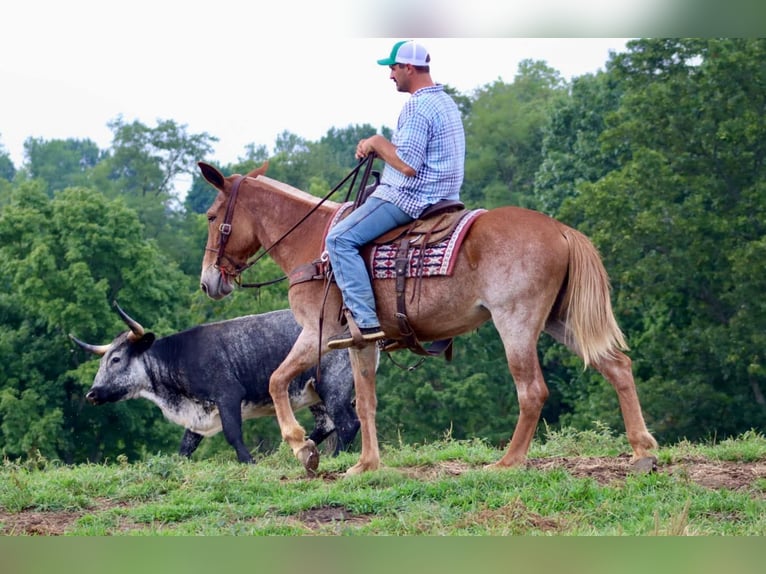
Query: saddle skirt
[(432, 243)]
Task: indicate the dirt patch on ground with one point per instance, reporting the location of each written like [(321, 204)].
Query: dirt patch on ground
[(318, 518), (36, 523), (604, 470), (607, 470), (709, 474)]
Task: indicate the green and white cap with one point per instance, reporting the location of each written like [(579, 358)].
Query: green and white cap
[(407, 52)]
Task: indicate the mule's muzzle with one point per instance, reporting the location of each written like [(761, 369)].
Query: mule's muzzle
[(214, 284)]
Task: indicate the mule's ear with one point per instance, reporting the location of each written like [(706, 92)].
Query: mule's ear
[(259, 170), (211, 174)]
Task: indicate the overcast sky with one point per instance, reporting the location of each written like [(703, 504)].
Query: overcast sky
[(242, 75)]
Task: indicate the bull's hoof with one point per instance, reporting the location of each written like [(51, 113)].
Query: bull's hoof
[(309, 457), (645, 465)]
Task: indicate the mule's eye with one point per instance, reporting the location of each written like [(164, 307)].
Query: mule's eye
[(210, 218)]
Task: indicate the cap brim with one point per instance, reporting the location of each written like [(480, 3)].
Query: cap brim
[(387, 61)]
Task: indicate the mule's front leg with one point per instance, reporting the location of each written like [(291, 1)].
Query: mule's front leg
[(292, 432), (363, 364)]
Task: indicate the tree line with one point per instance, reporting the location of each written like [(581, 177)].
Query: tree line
[(658, 158)]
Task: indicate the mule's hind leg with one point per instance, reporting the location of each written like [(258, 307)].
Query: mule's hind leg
[(616, 369)]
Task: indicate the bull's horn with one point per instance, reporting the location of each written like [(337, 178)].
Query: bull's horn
[(135, 326), (95, 349)]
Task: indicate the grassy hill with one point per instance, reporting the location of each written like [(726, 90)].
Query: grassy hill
[(576, 483)]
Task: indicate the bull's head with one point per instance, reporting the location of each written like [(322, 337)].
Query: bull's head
[(117, 378)]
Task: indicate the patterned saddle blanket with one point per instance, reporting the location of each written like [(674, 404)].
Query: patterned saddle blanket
[(432, 244)]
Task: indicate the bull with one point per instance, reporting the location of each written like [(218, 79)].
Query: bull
[(215, 375)]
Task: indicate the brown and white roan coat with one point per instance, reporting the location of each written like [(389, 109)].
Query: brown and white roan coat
[(521, 269), (212, 376)]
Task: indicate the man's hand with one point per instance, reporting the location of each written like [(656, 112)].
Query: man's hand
[(364, 148), (385, 150)]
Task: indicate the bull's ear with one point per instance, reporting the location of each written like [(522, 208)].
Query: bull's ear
[(211, 174), (142, 344)]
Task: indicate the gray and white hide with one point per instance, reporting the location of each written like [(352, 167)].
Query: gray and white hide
[(212, 376)]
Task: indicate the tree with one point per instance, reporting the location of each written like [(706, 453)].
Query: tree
[(7, 169), (471, 396), (686, 211), (571, 146), (62, 263), (504, 136), (60, 163), (148, 160)]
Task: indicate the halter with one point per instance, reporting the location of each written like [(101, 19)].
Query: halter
[(225, 228)]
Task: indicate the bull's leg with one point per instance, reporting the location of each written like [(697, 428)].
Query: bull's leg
[(189, 443), (521, 352), (618, 371), (231, 420), (346, 424), (300, 358), (337, 392), (323, 424), (363, 363)]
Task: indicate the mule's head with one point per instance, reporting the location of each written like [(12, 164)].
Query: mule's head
[(230, 240)]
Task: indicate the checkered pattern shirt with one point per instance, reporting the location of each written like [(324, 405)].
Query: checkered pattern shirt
[(430, 139)]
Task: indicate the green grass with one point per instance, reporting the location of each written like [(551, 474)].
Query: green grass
[(433, 489)]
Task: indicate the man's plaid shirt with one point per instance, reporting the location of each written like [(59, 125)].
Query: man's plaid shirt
[(430, 139)]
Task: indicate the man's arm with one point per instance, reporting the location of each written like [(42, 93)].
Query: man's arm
[(386, 151)]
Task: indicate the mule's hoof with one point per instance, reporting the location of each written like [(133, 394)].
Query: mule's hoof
[(359, 468), (645, 465), (309, 457), (506, 465)]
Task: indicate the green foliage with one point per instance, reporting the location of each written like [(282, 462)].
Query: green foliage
[(572, 151), (148, 160), (685, 213), (659, 159), (62, 262), (453, 398), (504, 133), (7, 169), (60, 163)]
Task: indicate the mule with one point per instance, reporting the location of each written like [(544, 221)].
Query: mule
[(526, 272)]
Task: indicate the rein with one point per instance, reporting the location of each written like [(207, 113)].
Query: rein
[(225, 228)]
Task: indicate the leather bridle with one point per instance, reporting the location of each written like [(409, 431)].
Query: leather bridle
[(224, 230), (225, 227)]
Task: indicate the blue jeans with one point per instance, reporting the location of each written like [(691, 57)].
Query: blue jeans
[(367, 222)]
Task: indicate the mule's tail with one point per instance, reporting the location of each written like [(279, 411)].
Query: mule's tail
[(587, 305)]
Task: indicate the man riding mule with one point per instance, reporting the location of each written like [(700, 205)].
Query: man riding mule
[(523, 270), (424, 164)]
